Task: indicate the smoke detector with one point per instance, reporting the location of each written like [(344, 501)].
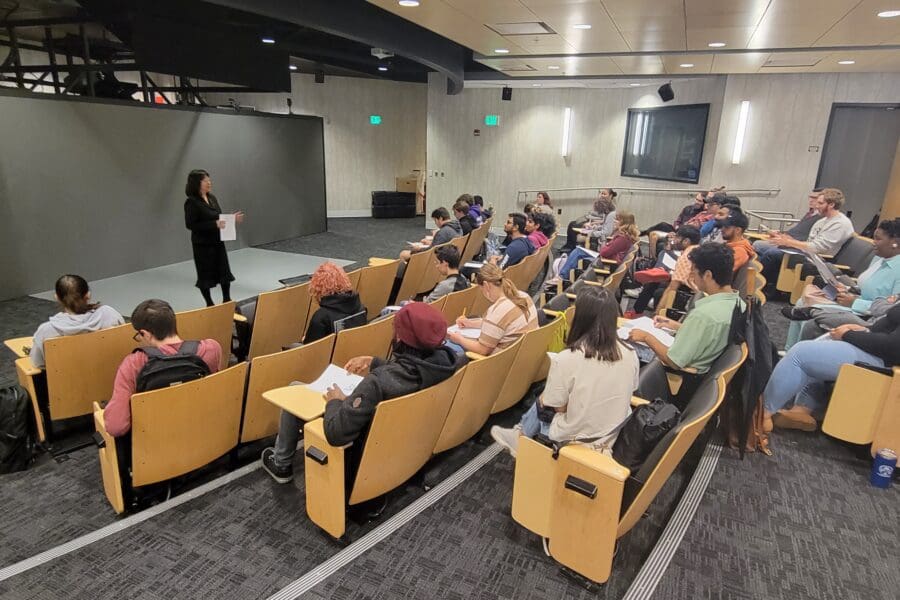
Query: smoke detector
[(382, 53)]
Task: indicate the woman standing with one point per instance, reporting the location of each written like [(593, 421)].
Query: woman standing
[(201, 216)]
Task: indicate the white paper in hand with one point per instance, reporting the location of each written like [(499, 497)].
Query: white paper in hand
[(335, 375), (467, 332), (229, 232), (646, 324)]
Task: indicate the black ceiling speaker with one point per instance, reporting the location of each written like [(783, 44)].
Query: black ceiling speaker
[(665, 92), (507, 93), (320, 76)]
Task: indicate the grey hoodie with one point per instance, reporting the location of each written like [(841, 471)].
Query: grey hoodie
[(451, 229), (68, 324)]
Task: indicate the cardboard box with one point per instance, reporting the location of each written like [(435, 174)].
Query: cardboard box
[(406, 184)]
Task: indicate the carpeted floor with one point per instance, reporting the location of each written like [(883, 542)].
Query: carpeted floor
[(802, 524)]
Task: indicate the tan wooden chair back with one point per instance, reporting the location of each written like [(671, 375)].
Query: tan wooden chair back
[(401, 438), (480, 304), (375, 283), (459, 303), (474, 243), (474, 397), (373, 339), (181, 428), (304, 363), (531, 361), (81, 368), (213, 322), (281, 317), (416, 268)]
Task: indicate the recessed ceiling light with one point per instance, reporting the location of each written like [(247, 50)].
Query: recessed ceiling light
[(716, 44), (553, 67), (582, 26), (293, 67), (268, 40), (846, 62), (501, 51), (686, 65), (382, 68), (409, 2), (634, 84), (536, 84), (889, 14)]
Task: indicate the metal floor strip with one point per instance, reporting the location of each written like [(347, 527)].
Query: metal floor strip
[(113, 528), (368, 541), (655, 566)]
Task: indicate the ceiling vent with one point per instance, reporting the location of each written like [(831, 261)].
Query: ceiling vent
[(532, 28), (797, 60)]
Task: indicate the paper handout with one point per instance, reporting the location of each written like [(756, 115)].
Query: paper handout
[(229, 232), (335, 375), (646, 324), (467, 332)]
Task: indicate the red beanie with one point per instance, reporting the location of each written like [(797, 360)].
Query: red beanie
[(420, 326)]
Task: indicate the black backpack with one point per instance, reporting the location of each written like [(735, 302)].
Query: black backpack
[(165, 370), (16, 430), (648, 424)]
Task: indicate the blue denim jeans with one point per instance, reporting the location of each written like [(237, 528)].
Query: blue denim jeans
[(770, 258), (531, 425), (801, 375), (572, 261)]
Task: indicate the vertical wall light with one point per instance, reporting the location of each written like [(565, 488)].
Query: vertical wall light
[(567, 132), (648, 123), (638, 129), (742, 129)]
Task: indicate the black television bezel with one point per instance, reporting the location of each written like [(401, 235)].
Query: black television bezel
[(628, 122)]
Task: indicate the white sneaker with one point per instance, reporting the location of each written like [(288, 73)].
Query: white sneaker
[(508, 438), (633, 292)]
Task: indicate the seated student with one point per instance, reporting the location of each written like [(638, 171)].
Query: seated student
[(703, 335), (78, 315), (511, 314), (418, 360), (447, 229), (826, 236), (599, 220), (880, 280), (331, 288), (483, 213), (590, 383), (625, 235), (686, 239), (542, 203), (154, 322), (534, 224), (714, 201), (689, 211), (518, 247), (800, 376), (711, 231), (733, 227), (800, 231), (446, 258), (461, 212)]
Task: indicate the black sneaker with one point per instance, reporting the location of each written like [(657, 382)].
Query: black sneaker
[(279, 474), (797, 313)]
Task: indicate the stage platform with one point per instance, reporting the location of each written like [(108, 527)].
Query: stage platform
[(255, 271)]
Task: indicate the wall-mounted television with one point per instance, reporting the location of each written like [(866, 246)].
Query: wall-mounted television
[(665, 142)]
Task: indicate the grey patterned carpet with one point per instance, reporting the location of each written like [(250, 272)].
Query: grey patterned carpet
[(802, 524)]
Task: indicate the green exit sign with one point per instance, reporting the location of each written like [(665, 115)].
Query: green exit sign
[(492, 120), (374, 119)]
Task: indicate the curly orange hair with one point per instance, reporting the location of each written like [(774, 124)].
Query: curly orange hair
[(328, 279)]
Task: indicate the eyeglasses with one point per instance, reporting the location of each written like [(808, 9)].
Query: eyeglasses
[(137, 336)]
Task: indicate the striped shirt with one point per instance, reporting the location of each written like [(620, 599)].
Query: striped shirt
[(504, 322)]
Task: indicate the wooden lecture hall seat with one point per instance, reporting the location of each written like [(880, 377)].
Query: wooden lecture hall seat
[(373, 339), (375, 283)]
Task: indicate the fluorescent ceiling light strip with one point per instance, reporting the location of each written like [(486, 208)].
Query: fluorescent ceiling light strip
[(742, 128)]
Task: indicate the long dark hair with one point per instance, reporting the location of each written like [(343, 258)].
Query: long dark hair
[(72, 291), (195, 178), (593, 329)]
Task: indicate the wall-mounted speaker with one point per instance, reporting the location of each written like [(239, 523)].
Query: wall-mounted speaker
[(507, 93), (320, 76), (665, 92)]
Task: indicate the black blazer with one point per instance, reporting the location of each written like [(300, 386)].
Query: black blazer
[(201, 218)]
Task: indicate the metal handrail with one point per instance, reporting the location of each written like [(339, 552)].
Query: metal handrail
[(783, 218), (632, 190)]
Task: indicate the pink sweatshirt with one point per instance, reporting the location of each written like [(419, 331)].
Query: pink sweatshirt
[(117, 415)]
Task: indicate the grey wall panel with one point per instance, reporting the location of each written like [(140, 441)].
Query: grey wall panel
[(98, 188)]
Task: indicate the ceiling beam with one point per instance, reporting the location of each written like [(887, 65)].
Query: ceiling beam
[(368, 24)]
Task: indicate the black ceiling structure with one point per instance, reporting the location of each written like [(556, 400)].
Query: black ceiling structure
[(219, 41)]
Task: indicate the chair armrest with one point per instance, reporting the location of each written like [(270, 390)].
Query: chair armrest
[(602, 271), (239, 318), (841, 267), (24, 366), (374, 262), (596, 461), (595, 283), (570, 295), (609, 261), (880, 370), (827, 256), (637, 401), (475, 356), (326, 498)]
